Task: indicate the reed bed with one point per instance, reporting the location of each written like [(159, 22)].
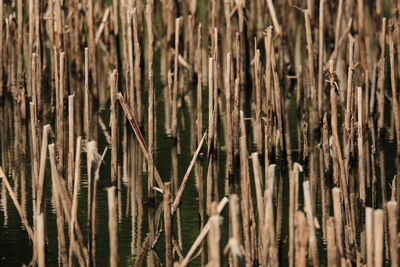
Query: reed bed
[(275, 123)]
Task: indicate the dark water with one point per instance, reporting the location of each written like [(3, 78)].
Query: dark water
[(16, 249)]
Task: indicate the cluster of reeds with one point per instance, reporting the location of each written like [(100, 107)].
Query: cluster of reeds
[(302, 99)]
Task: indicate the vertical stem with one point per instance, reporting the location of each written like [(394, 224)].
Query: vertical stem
[(314, 94), (378, 237), (395, 105), (199, 102), (331, 243), (113, 225), (92, 50), (151, 134), (338, 221), (214, 242), (381, 81), (2, 38), (301, 239), (86, 113), (40, 240), (40, 189), (174, 123), (167, 224), (320, 55), (60, 114), (310, 221), (71, 130), (57, 196), (392, 225), (369, 229), (114, 127), (257, 73), (360, 140)]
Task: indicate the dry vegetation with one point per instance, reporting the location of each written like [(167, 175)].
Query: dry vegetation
[(297, 96)]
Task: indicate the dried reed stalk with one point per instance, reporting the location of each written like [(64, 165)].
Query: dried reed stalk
[(395, 105), (378, 237), (186, 177), (40, 240), (393, 236), (320, 56), (92, 50), (310, 222), (360, 140), (114, 127), (139, 136), (167, 224), (369, 229), (214, 241), (174, 122), (74, 209), (71, 130), (87, 110), (17, 206), (113, 225), (202, 234), (381, 80), (58, 198)]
